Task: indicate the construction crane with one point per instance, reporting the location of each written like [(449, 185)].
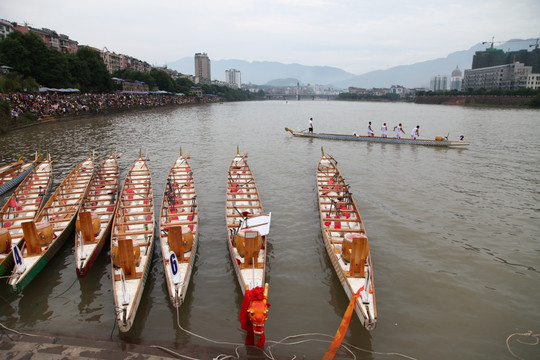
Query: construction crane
[(492, 42), (535, 45)]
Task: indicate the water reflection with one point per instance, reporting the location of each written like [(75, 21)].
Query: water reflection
[(460, 222)]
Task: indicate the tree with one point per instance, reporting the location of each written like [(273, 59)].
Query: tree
[(57, 73), (184, 85), (89, 71), (25, 53), (163, 80)]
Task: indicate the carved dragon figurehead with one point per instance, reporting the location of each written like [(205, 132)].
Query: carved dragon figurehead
[(258, 313), (254, 314)]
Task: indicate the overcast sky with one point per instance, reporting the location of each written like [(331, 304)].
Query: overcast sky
[(355, 35)]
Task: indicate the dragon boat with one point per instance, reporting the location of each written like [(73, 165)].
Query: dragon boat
[(8, 167), (94, 221), (132, 240), (11, 175), (439, 141), (45, 235), (345, 239), (179, 225), (247, 228), (23, 205)]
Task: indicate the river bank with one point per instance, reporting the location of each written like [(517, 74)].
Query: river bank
[(20, 110), (481, 100)]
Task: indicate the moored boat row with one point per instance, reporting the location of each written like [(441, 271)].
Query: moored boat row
[(345, 239), (47, 232), (132, 240), (179, 228), (11, 175), (127, 220), (247, 225), (94, 220), (23, 205)]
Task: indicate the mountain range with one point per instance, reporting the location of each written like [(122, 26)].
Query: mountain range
[(416, 75)]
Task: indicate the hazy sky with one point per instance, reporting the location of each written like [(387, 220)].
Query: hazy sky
[(355, 35)]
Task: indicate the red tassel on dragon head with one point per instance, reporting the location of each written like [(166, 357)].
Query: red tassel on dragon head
[(254, 314)]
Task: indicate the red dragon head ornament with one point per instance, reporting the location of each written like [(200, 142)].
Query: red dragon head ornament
[(254, 313)]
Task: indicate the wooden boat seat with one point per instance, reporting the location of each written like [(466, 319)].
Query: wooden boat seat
[(5, 240), (247, 199), (355, 250), (346, 230), (127, 256), (132, 233), (136, 213), (180, 240), (248, 244), (89, 225), (146, 200), (31, 240), (137, 222)]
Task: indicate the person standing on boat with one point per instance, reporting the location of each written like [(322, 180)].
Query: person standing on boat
[(311, 125), (384, 130), (415, 132), (370, 130), (398, 129)]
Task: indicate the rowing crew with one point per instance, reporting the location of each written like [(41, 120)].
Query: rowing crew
[(398, 129)]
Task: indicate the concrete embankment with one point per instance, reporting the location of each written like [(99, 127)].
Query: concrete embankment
[(489, 100), (19, 347), (15, 345)]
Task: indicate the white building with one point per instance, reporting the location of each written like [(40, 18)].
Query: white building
[(233, 77), (5, 28), (509, 77), (533, 81), (438, 83), (456, 79)]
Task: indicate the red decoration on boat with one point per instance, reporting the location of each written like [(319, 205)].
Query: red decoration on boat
[(253, 314)]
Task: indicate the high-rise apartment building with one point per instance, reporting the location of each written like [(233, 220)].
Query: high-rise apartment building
[(438, 83), (202, 68), (233, 77)]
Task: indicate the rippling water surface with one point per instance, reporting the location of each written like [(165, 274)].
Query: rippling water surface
[(453, 232)]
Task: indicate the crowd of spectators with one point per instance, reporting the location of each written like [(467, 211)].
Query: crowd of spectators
[(58, 104)]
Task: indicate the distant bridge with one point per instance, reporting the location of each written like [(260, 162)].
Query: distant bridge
[(299, 97)]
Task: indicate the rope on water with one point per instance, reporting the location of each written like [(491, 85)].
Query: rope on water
[(219, 357), (202, 337), (529, 334), (172, 352), (269, 354), (65, 291), (16, 332)]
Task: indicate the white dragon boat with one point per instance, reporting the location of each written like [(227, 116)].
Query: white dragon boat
[(179, 228)]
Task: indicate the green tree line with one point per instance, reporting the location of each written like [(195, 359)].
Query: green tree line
[(33, 64)]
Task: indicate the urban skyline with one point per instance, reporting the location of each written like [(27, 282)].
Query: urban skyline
[(358, 37), (511, 76)]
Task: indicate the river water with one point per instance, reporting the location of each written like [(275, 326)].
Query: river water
[(453, 232)]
